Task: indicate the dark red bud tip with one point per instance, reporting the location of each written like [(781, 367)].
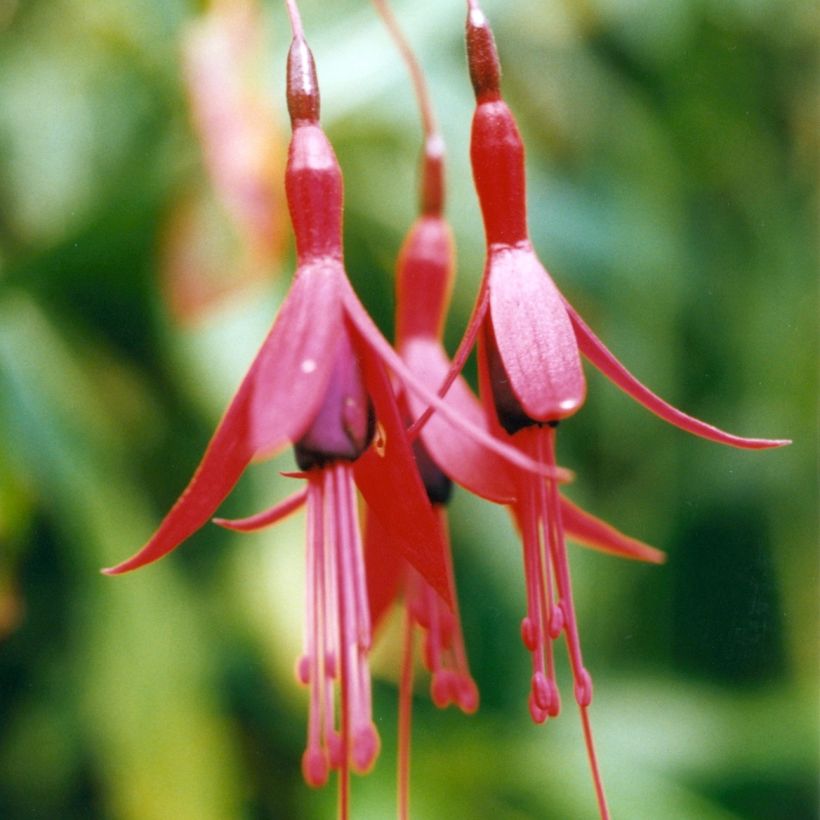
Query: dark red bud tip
[(432, 176), (302, 87), (482, 56)]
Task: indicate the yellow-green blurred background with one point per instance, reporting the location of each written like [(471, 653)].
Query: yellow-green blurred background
[(672, 161)]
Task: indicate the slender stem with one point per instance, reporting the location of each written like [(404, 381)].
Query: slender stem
[(432, 172), (295, 19), (416, 75)]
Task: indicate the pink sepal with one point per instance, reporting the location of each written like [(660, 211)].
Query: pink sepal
[(598, 354), (590, 531), (274, 404), (266, 518), (387, 477), (458, 455)]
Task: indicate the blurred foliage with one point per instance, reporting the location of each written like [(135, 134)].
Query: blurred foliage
[(672, 160)]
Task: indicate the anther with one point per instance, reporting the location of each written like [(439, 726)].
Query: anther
[(537, 714), (541, 691), (583, 687), (555, 699), (529, 634), (315, 767), (467, 695), (441, 688), (303, 670), (556, 622), (366, 745)]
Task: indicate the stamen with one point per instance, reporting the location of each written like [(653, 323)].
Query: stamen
[(554, 532), (315, 759), (444, 654), (405, 718), (363, 740), (337, 635), (544, 701), (558, 551)]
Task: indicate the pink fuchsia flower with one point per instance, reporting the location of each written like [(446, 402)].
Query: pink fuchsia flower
[(424, 283), (530, 342), (319, 382)]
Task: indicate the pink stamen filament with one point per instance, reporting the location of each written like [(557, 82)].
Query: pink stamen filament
[(362, 741), (315, 762), (444, 654), (405, 718), (534, 628), (544, 545), (295, 19), (337, 635)]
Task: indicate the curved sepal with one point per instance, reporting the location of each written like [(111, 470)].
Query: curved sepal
[(458, 455), (387, 477), (267, 518), (600, 356), (590, 531), (274, 404)]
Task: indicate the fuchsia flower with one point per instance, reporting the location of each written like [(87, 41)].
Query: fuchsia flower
[(319, 383), (530, 342), (424, 280)]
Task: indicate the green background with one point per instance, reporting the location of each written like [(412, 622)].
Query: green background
[(672, 167)]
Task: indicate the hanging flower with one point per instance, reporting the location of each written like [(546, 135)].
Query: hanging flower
[(319, 382), (424, 283), (530, 342)]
